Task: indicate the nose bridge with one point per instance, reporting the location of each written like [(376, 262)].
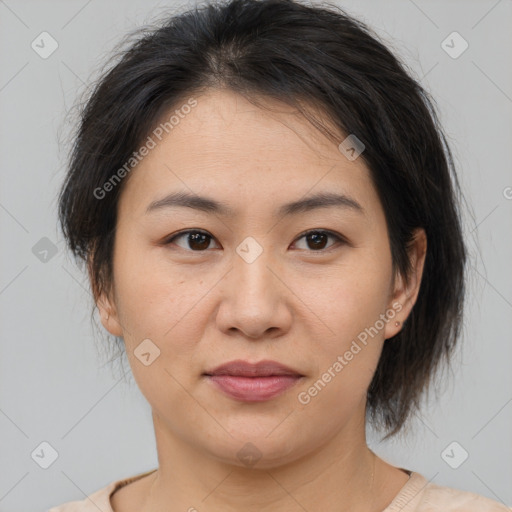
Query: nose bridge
[(251, 301), (250, 266)]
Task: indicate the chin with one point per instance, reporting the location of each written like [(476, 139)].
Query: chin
[(259, 450)]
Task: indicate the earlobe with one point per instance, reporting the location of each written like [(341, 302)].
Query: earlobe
[(109, 317), (105, 304), (406, 290)]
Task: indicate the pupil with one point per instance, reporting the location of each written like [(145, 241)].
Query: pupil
[(199, 240), (315, 236), (193, 239)]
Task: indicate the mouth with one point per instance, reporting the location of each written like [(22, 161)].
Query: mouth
[(241, 368), (253, 382)]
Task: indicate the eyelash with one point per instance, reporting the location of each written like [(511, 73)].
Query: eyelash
[(338, 237)]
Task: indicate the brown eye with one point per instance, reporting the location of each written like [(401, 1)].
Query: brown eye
[(317, 240), (197, 241)]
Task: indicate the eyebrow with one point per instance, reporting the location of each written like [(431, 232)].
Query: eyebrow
[(209, 205)]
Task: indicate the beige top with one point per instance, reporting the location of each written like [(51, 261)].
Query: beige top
[(417, 495)]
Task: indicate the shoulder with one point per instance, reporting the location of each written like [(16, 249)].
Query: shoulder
[(457, 500), (100, 499), (420, 495)]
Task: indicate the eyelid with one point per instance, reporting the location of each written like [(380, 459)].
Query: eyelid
[(339, 238), (169, 239)]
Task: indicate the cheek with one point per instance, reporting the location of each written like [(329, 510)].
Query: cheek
[(172, 309), (347, 359), (152, 302), (159, 306), (350, 307), (352, 299)]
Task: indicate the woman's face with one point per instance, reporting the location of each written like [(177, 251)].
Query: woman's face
[(252, 285)]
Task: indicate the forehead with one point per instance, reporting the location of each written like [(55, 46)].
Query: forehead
[(227, 144)]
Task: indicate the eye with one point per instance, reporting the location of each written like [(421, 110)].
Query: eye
[(197, 240), (317, 239)]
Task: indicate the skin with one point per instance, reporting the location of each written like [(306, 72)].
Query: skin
[(294, 304)]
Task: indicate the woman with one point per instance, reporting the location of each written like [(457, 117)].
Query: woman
[(268, 211)]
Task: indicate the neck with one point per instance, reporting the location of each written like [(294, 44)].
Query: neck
[(337, 476)]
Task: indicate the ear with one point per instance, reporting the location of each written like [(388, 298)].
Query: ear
[(106, 305), (405, 293)]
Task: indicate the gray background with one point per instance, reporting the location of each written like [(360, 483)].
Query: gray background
[(56, 387)]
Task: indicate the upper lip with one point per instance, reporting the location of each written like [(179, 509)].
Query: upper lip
[(242, 368)]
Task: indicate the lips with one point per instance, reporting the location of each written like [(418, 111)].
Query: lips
[(241, 368), (253, 382)]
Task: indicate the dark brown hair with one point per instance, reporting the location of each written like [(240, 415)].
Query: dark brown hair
[(306, 56)]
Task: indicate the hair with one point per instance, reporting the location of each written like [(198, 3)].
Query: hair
[(316, 59)]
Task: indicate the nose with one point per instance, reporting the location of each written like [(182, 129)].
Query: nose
[(254, 300)]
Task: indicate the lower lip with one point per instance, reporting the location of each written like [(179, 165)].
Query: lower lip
[(253, 389)]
